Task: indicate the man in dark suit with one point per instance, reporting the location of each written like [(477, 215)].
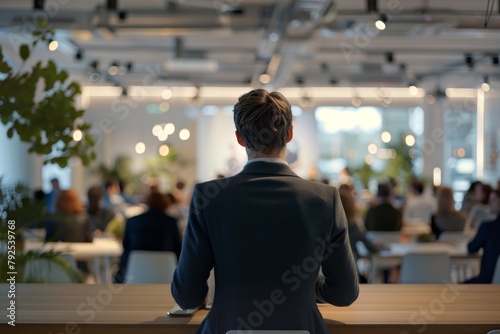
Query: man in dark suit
[(266, 232), (487, 238), (153, 230), (383, 216)]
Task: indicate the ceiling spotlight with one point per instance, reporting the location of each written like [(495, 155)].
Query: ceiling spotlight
[(113, 69), (389, 57), (79, 54), (94, 65), (412, 88), (380, 24), (94, 71), (372, 6), (167, 94), (111, 4), (430, 99), (469, 60), (356, 101), (264, 78), (122, 15), (486, 85), (494, 59)]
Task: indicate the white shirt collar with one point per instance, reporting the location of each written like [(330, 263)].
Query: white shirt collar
[(275, 160)]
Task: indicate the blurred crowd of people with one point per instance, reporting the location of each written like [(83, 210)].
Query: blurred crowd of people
[(155, 223), (479, 215), (158, 222)]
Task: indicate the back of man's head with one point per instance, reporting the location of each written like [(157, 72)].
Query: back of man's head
[(383, 191), (417, 186), (263, 120)]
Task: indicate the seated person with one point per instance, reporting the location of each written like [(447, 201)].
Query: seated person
[(355, 234), (446, 217), (99, 216), (419, 206), (153, 230), (112, 199), (383, 216), (69, 223), (480, 210), (487, 238)]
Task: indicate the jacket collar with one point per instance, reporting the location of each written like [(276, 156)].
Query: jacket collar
[(263, 167)]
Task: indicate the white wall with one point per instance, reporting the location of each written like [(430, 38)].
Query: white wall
[(218, 152), (16, 165)]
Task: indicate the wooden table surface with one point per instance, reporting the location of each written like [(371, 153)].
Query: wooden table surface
[(398, 309)]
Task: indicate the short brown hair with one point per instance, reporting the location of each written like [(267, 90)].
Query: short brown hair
[(157, 200), (263, 120)]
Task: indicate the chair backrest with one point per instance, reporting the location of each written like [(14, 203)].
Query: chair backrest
[(454, 237), (47, 270), (268, 332), (496, 275), (150, 267), (425, 268)]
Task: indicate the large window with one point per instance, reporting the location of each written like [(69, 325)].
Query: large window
[(373, 143)]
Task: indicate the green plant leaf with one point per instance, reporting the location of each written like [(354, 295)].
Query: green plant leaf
[(24, 51)]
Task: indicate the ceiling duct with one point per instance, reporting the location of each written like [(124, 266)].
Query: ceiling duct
[(180, 64), (307, 15)]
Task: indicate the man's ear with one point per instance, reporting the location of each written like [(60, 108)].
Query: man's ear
[(239, 138), (290, 134)]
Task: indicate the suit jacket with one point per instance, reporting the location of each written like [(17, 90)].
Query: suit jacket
[(383, 217), (266, 232), (151, 231), (488, 238), (67, 227)]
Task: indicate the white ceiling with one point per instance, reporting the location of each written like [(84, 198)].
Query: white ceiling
[(310, 42)]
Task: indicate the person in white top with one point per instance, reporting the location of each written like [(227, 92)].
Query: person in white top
[(419, 206)]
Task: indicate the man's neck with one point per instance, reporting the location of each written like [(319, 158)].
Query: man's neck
[(281, 154)]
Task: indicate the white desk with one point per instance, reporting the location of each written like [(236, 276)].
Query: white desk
[(99, 252), (393, 255)]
